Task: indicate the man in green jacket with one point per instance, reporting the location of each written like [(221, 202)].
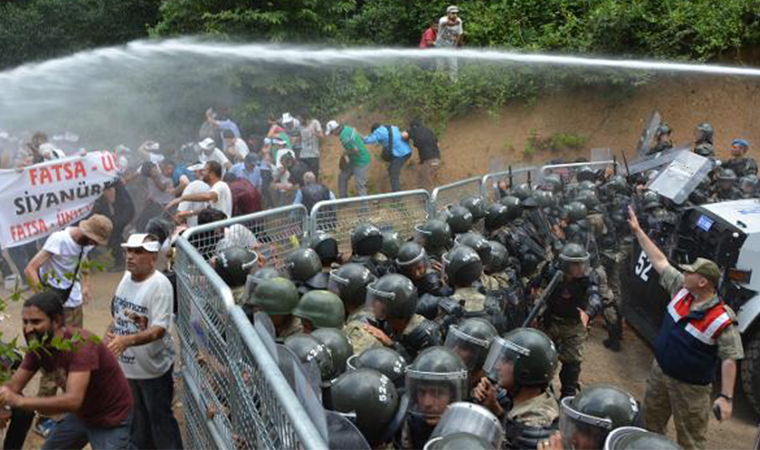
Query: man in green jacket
[(355, 159)]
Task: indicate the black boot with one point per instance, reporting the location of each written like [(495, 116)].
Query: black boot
[(615, 339), (568, 377)]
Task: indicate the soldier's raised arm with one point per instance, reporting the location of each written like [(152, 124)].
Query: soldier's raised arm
[(655, 255)]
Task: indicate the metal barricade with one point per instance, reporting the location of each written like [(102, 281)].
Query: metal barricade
[(453, 193), (398, 211), (274, 233), (234, 394), (567, 171), (491, 181)]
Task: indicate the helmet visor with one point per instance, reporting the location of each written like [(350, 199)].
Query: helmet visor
[(472, 350), (465, 417), (378, 300), (581, 431), (431, 393), (500, 362)]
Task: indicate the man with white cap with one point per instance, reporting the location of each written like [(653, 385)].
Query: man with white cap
[(355, 159), (185, 209), (450, 34), (139, 336), (218, 196), (210, 152)]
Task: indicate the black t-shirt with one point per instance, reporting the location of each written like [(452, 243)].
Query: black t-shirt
[(426, 142)]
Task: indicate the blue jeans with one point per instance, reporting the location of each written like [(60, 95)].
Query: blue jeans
[(71, 432), (394, 171), (153, 422)]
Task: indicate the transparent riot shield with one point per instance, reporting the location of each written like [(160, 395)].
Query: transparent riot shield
[(647, 136), (659, 159), (305, 381), (601, 154), (343, 434), (681, 177), (264, 326)]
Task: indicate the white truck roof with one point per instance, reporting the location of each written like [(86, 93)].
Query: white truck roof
[(745, 214)]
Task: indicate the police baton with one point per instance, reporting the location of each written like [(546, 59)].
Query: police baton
[(541, 302)]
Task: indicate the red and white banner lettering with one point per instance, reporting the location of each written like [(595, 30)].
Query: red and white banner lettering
[(47, 197)]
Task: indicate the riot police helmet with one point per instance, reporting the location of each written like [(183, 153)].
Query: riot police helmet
[(326, 247), (635, 438), (553, 183), (436, 378), (704, 132), (545, 199), (276, 296), (585, 173), (663, 130), (651, 200), (476, 206), (522, 357), (496, 217), (310, 351), (462, 266), (522, 191), (392, 296), (574, 259), (575, 212), (349, 282), (320, 309), (477, 242), (412, 260), (233, 265), (459, 219), (726, 174), (302, 264), (471, 339), (366, 240), (337, 344), (466, 417), (383, 359), (253, 280), (588, 417), (499, 258), (435, 236), (589, 199), (587, 185), (704, 149), (514, 207), (391, 244)]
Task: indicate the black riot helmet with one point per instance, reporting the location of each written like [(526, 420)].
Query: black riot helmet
[(337, 344), (573, 253), (587, 185), (532, 355), (233, 265), (476, 206), (618, 184), (523, 191), (552, 183), (349, 282), (462, 265), (651, 200), (383, 359), (704, 133), (392, 296), (326, 247), (478, 243), (726, 174), (459, 219), (435, 236), (545, 199), (704, 149), (514, 207), (366, 240), (586, 173), (499, 258), (458, 441), (496, 217), (253, 280), (409, 256), (635, 438), (471, 340), (575, 212), (589, 199), (473, 419), (369, 398), (437, 371), (391, 244), (310, 351), (303, 264), (588, 417)]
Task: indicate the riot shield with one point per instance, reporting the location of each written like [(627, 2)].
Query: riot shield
[(601, 154), (681, 177), (644, 300), (647, 136), (305, 381), (262, 323), (659, 159), (343, 434)]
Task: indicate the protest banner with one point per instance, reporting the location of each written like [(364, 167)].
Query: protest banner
[(49, 196)]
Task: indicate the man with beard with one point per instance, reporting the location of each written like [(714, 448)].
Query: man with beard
[(96, 398), (219, 197)]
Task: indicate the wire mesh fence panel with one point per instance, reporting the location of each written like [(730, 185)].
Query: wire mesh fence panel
[(399, 211), (273, 233), (453, 193), (494, 183)]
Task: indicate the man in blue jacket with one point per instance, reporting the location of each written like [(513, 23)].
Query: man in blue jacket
[(390, 138)]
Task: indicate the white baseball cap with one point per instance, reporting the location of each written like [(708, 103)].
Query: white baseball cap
[(207, 144), (331, 126), (452, 9), (197, 166), (137, 240), (287, 118)]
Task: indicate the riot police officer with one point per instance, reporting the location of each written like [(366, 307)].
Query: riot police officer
[(349, 282), (277, 297), (366, 243), (233, 265), (569, 309), (339, 347), (435, 237), (740, 163), (477, 207), (471, 339), (412, 262), (304, 268), (662, 140), (703, 139), (726, 188), (436, 379), (523, 363), (520, 239), (383, 359), (459, 218), (320, 309), (590, 416)]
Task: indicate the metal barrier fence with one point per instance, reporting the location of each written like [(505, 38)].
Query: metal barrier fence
[(398, 211), (453, 193), (274, 233), (568, 170), (234, 394), (490, 182)]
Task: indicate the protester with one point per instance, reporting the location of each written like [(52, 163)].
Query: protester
[(219, 195), (195, 187), (140, 337), (178, 174), (96, 397), (310, 136), (395, 147), (209, 152), (245, 197), (235, 148), (449, 36), (312, 192), (249, 169), (355, 159), (116, 204), (159, 194), (430, 155), (429, 36)]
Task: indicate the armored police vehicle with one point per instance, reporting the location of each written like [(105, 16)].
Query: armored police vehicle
[(727, 233)]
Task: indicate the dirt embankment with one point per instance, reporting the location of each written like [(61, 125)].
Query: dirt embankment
[(481, 142)]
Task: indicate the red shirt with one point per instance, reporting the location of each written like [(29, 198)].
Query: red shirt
[(245, 197), (108, 400), (428, 38)]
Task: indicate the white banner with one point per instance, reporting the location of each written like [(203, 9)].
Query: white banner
[(47, 197)]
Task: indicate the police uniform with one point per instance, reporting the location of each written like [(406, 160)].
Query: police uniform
[(690, 345), (540, 411), (360, 338), (473, 301), (742, 166), (238, 295)]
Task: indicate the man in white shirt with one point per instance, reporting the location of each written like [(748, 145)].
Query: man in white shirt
[(235, 148), (450, 34), (196, 186), (57, 267), (218, 196), (209, 152), (139, 336)]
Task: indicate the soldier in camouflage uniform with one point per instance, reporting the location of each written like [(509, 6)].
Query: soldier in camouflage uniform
[(740, 163), (435, 237), (366, 244), (277, 297), (523, 363), (349, 282), (726, 186)]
